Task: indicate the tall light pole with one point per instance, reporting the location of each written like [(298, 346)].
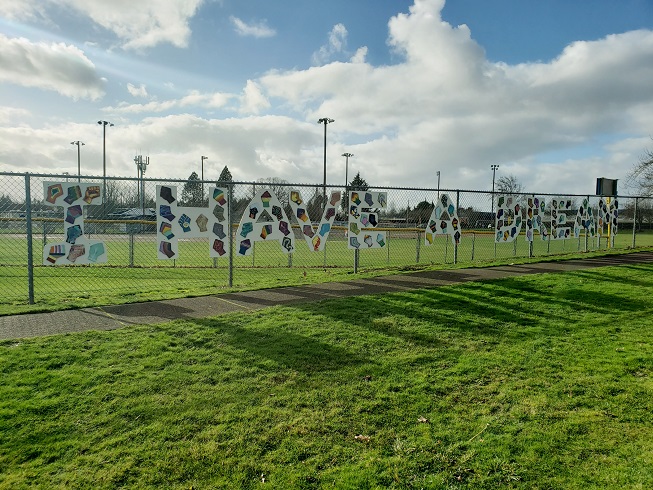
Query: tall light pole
[(347, 155), (325, 121), (203, 158), (79, 165), (104, 125), (494, 168), (438, 174)]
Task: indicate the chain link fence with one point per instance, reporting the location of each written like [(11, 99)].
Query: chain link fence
[(125, 222)]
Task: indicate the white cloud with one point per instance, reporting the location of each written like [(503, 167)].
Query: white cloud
[(445, 106), (50, 66), (138, 24), (137, 91), (194, 99), (256, 29), (360, 55), (253, 100), (337, 44)]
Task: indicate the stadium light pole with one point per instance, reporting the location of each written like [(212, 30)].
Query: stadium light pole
[(347, 155), (438, 174), (494, 168), (104, 125), (79, 165), (203, 158), (325, 121)]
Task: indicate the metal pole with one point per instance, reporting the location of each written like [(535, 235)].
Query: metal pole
[(230, 188), (30, 258), (324, 179), (438, 185), (455, 247), (325, 121), (634, 221)]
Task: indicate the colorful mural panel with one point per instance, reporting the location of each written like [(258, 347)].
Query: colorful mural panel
[(608, 216), (535, 206), (264, 219), (77, 249), (364, 207), (443, 221), (315, 237), (508, 219), (585, 220), (174, 222), (560, 230)]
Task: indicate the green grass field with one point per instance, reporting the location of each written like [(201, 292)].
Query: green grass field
[(195, 273), (536, 382)]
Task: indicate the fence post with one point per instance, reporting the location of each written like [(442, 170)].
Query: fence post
[(387, 244), (231, 234), (131, 248), (455, 244), (473, 244), (30, 257), (634, 221), (355, 261), (417, 246)]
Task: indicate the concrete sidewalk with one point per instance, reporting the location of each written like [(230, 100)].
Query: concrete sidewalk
[(112, 317)]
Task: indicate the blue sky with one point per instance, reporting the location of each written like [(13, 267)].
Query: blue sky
[(557, 92)]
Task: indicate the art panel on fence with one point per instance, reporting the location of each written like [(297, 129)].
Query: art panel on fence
[(174, 221), (364, 209), (77, 249), (265, 219), (315, 238), (443, 221)]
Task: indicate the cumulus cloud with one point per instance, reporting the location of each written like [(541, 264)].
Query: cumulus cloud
[(255, 29), (51, 66), (194, 99), (138, 24), (443, 105), (140, 91), (336, 44), (253, 100)]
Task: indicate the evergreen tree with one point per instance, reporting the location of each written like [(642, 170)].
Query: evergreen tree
[(191, 195), (225, 176), (357, 184)]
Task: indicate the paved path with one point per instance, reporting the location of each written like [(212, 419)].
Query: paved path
[(112, 317)]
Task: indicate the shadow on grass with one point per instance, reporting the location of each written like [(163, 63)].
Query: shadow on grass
[(286, 348), (484, 307)]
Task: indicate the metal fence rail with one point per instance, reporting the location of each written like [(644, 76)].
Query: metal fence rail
[(127, 223)]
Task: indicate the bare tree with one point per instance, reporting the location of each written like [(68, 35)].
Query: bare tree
[(509, 184), (641, 175)]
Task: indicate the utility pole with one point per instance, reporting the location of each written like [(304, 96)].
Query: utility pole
[(203, 158), (79, 165), (325, 121), (347, 155), (494, 168)]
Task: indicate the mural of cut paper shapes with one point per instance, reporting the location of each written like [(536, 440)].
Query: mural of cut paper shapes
[(560, 230), (608, 217), (315, 237), (264, 220), (77, 248), (175, 222), (508, 219), (443, 221), (364, 207), (585, 220), (535, 218)]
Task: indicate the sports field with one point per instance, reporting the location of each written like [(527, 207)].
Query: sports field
[(134, 273)]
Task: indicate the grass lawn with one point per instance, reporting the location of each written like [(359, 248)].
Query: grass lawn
[(541, 381), (193, 274)]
